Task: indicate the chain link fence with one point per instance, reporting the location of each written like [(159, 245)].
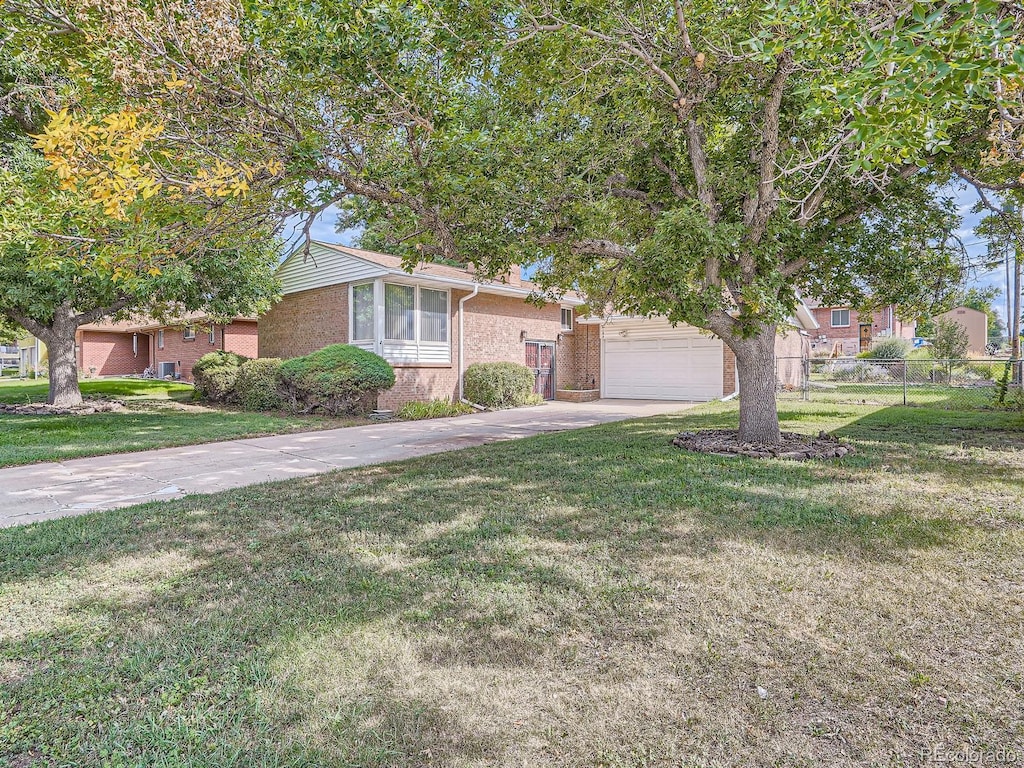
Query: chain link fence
[(954, 384)]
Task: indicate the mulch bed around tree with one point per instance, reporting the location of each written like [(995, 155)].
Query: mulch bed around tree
[(42, 409), (793, 445)]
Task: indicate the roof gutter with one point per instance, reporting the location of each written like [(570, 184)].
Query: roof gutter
[(495, 288), (462, 339)]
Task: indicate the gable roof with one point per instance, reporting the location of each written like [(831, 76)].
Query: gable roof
[(333, 264)]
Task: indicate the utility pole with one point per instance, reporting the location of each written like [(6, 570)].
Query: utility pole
[(1015, 327)]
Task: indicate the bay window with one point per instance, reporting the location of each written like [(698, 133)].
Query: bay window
[(401, 323)]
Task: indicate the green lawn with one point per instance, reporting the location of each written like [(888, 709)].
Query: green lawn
[(25, 391), (593, 598), (159, 414), (931, 395)]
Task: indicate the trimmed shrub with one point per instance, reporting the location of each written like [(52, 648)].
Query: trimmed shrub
[(432, 409), (336, 379), (256, 388), (889, 349), (499, 385), (215, 373)]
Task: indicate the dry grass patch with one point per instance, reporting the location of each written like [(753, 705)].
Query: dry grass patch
[(594, 598)]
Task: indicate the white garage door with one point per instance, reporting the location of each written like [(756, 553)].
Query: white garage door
[(651, 360)]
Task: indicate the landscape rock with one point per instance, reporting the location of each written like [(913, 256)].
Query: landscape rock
[(794, 446), (42, 409)]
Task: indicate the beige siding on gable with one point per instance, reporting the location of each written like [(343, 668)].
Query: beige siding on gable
[(324, 267)]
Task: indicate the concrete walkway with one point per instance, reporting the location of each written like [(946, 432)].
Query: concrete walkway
[(44, 491)]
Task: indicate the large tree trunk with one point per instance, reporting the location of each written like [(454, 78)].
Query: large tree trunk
[(64, 391), (755, 364), (60, 347)]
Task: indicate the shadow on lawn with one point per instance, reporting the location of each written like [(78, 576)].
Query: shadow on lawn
[(281, 640)]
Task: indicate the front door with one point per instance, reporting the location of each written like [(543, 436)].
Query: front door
[(540, 358), (865, 337)]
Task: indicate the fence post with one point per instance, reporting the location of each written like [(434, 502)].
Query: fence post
[(807, 378), (905, 362)]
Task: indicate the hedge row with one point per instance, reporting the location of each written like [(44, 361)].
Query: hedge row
[(335, 380), (339, 379)]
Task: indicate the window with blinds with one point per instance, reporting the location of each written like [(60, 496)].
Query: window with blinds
[(415, 322), (362, 312), (433, 315), (399, 312)]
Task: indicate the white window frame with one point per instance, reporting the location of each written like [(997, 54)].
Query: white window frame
[(446, 342), (160, 339), (415, 313), (188, 333), (212, 337), (352, 313), (833, 322), (572, 320), (417, 344)]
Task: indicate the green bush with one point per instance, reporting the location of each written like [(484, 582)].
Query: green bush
[(889, 349), (256, 388), (432, 409), (336, 379), (215, 374), (989, 371), (499, 385)]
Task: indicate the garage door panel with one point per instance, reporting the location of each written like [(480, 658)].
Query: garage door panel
[(678, 365)]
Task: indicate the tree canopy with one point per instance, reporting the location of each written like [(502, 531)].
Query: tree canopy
[(683, 158), (105, 211)]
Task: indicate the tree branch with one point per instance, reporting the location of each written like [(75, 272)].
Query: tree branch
[(699, 166), (589, 246), (678, 189), (684, 33), (95, 314), (759, 208), (37, 329)]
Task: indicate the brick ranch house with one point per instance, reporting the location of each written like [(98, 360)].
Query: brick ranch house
[(434, 322), (129, 347), (845, 332)]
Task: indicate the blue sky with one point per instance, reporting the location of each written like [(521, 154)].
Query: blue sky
[(324, 230), (966, 199)]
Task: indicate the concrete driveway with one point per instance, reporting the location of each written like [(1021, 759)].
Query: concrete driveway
[(44, 491)]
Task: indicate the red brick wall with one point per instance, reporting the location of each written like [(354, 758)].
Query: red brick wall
[(304, 322), (184, 353), (495, 326), (241, 337), (728, 370), (579, 361), (421, 383), (849, 336), (110, 354)]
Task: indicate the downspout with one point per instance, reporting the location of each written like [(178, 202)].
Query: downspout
[(736, 385), (462, 341)]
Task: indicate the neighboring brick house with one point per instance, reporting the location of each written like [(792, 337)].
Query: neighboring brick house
[(843, 331), (169, 350), (417, 322)]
